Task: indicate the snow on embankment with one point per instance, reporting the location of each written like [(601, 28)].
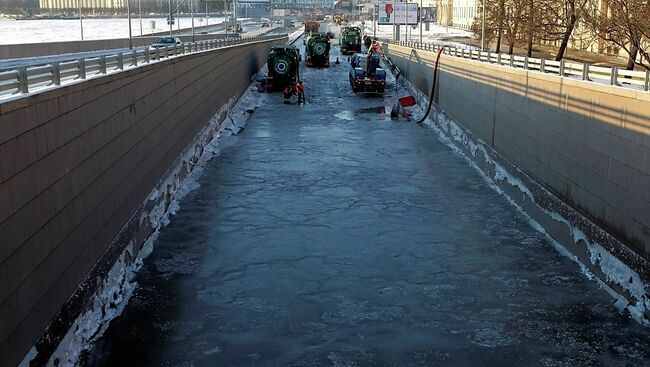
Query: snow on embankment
[(617, 269)]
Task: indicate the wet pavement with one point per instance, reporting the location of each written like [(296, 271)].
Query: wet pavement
[(329, 235)]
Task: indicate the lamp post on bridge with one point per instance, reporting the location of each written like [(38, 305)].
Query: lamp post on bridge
[(420, 21), (169, 20), (140, 11), (483, 29), (128, 16), (81, 20), (192, 15)]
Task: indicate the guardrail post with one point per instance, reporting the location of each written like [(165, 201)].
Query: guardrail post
[(56, 73), (499, 58), (646, 86), (135, 57), (82, 68), (157, 53), (542, 65), (120, 61), (585, 71), (512, 61), (147, 55), (23, 82), (561, 71), (102, 64), (614, 76), (489, 57), (525, 61)]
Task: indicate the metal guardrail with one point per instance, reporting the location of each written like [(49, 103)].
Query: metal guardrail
[(28, 79), (639, 80)]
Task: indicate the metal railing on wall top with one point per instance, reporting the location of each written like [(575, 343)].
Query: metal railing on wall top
[(27, 79), (639, 80)]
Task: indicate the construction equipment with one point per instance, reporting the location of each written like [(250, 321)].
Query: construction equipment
[(366, 74), (283, 67), (311, 26), (317, 50), (350, 40)]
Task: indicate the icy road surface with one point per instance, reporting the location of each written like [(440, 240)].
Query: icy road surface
[(329, 235)]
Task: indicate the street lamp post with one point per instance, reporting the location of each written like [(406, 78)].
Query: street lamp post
[(192, 15), (140, 11), (171, 25), (483, 29), (394, 29), (81, 20), (128, 16), (420, 21), (375, 10), (406, 23)]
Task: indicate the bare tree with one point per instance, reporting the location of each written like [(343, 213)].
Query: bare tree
[(493, 21), (514, 21), (540, 21), (625, 23)]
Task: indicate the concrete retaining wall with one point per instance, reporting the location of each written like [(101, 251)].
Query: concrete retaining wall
[(587, 143), (78, 161), (24, 50)]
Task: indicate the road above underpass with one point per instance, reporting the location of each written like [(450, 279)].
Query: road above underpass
[(250, 30), (329, 235)]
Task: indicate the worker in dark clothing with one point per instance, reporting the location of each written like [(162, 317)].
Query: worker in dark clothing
[(299, 90), (288, 91), (367, 41)]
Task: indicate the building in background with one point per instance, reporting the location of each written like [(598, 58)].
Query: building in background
[(84, 4), (463, 13)]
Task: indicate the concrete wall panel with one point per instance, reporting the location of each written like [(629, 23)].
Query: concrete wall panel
[(79, 160)]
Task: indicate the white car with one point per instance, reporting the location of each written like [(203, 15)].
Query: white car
[(163, 42)]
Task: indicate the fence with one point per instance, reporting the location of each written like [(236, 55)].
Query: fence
[(28, 79), (599, 74)]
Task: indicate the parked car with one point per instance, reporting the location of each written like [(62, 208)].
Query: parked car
[(166, 42)]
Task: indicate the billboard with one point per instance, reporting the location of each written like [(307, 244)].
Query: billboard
[(429, 14), (398, 12)]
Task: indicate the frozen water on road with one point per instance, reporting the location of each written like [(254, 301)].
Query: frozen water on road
[(329, 235)]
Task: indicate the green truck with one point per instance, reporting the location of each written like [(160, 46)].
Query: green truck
[(350, 40), (283, 64), (317, 50)]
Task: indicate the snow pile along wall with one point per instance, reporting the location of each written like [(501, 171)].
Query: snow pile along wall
[(507, 164)]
